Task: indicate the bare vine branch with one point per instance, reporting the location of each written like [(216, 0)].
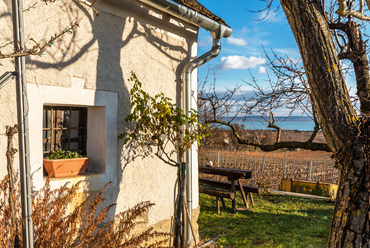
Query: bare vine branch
[(39, 49)]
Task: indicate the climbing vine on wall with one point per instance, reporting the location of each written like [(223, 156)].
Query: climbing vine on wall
[(160, 123)]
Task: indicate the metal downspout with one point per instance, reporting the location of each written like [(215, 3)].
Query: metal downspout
[(23, 133), (217, 31), (189, 68)]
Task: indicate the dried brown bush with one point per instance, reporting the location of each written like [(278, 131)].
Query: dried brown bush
[(58, 222)]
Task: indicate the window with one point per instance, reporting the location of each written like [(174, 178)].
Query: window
[(64, 128), (100, 111)]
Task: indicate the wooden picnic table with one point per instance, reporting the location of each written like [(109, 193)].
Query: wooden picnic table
[(233, 175)]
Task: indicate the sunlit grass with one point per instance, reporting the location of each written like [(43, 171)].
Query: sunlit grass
[(274, 221)]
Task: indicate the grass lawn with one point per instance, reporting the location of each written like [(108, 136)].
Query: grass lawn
[(273, 221)]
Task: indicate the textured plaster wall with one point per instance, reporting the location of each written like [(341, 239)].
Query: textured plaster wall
[(8, 104), (99, 57)]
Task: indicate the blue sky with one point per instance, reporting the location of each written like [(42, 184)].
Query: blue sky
[(242, 51)]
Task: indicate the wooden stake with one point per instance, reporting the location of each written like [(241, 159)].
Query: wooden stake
[(189, 222)]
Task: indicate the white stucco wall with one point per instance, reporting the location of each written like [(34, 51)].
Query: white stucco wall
[(90, 68)]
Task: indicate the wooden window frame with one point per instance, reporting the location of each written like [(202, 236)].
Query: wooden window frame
[(56, 142)]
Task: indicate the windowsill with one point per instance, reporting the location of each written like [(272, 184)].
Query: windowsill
[(90, 181), (86, 175)]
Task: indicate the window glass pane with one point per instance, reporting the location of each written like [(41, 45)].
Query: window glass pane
[(65, 145), (74, 133), (58, 119), (67, 131), (46, 134), (47, 146), (47, 118), (62, 118), (57, 139), (75, 118), (75, 146), (65, 134), (66, 117)]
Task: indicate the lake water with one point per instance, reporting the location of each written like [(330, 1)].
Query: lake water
[(300, 123), (286, 125)]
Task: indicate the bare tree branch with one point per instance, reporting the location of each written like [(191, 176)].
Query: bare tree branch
[(279, 145), (290, 89), (344, 12), (272, 125)]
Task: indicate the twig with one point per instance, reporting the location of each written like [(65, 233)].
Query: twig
[(90, 5)]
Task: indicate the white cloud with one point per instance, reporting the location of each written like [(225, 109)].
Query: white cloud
[(271, 16), (237, 41), (262, 70), (239, 62)]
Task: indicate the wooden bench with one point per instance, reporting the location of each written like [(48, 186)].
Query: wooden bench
[(233, 175), (220, 194), (227, 185)]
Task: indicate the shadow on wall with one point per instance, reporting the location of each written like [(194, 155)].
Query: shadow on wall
[(112, 36)]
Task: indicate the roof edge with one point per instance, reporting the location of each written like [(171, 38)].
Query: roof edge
[(189, 15)]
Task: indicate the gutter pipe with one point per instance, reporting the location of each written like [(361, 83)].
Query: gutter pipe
[(190, 16), (218, 31), (187, 72), (23, 133)]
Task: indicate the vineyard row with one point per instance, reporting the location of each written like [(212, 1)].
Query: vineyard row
[(269, 168)]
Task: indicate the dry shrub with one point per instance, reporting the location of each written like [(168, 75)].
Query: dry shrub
[(57, 222)]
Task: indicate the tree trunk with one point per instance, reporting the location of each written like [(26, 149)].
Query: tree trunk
[(350, 222), (337, 119)]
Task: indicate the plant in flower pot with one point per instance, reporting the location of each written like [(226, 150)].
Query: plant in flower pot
[(65, 164)]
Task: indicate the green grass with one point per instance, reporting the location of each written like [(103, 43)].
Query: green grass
[(274, 221)]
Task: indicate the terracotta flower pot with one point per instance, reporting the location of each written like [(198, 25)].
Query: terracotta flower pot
[(66, 167)]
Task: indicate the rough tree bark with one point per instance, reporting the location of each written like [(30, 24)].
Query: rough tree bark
[(337, 118)]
